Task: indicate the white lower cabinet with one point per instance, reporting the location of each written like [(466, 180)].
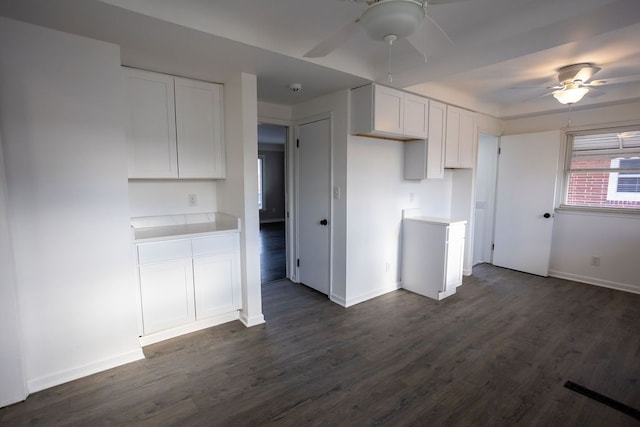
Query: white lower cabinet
[(432, 256), (166, 291), (188, 284), (216, 284)]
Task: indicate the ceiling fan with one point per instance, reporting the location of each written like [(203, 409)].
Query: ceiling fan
[(388, 21), (575, 83)]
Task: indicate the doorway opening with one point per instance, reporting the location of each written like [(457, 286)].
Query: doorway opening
[(272, 201), (486, 175)]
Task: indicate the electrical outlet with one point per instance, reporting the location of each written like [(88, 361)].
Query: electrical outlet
[(193, 200), (387, 267), (412, 198), (595, 261)]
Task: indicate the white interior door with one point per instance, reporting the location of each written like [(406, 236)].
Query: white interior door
[(314, 200), (527, 173)]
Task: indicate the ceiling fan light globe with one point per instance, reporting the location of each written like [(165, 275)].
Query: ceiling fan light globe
[(392, 17), (570, 95)]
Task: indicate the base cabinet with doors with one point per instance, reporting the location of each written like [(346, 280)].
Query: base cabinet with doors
[(432, 256), (174, 127), (185, 284)]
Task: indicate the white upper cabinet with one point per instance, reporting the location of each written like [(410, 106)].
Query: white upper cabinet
[(150, 125), (436, 140), (174, 127), (385, 112), (425, 158), (199, 128), (416, 112), (461, 138)]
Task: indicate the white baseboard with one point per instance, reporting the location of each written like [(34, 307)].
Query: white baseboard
[(65, 376), (269, 221), (189, 327), (338, 300), (595, 281), (251, 321), (372, 294)]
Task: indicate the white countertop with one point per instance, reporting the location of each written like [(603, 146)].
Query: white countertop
[(435, 220), (170, 227)]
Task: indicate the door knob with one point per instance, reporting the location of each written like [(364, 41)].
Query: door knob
[(547, 215), (324, 222)]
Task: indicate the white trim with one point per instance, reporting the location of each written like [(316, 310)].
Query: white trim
[(338, 300), (67, 375), (253, 321), (289, 150), (370, 295), (188, 328), (595, 281), (594, 211), (269, 221)]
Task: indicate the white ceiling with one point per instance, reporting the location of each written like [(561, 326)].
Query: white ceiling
[(499, 45)]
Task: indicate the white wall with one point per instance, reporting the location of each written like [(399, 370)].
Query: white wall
[(377, 195), (579, 235), (170, 197), (13, 386), (66, 177), (238, 193)]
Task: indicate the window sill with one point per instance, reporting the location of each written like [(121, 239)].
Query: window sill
[(580, 210)]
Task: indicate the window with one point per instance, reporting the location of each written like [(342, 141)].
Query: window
[(604, 169), (260, 182)]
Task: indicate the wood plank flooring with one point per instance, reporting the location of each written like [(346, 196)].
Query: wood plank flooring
[(495, 354), (272, 252)]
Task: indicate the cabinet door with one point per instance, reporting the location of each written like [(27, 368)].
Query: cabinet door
[(435, 145), (452, 144), (166, 290), (388, 110), (150, 125), (461, 138), (454, 263), (217, 284), (416, 113), (468, 140), (199, 129)]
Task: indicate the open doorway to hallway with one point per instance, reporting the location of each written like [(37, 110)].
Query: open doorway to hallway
[(272, 145)]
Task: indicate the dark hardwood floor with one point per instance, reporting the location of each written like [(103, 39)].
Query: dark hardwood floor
[(272, 252), (497, 353)]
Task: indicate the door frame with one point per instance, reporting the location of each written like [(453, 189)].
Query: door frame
[(296, 169), (288, 190)]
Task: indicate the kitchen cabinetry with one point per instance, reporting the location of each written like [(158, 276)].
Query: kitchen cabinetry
[(425, 159), (174, 127), (385, 112), (186, 283), (432, 256), (461, 138)]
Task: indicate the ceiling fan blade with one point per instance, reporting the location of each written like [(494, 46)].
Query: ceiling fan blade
[(334, 41), (617, 80), (595, 92), (586, 73), (430, 19)]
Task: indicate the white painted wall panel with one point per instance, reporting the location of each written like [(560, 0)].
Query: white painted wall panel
[(67, 200), (614, 238)]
